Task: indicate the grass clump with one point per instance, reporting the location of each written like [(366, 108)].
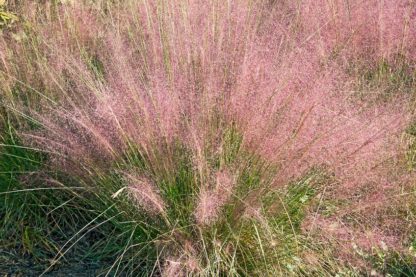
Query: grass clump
[(181, 138), (118, 229)]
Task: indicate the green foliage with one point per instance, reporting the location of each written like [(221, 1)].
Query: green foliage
[(57, 220), (386, 79), (6, 17), (42, 216), (94, 64), (391, 263), (410, 139)]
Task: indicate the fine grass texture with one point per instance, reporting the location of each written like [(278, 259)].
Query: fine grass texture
[(208, 138)]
